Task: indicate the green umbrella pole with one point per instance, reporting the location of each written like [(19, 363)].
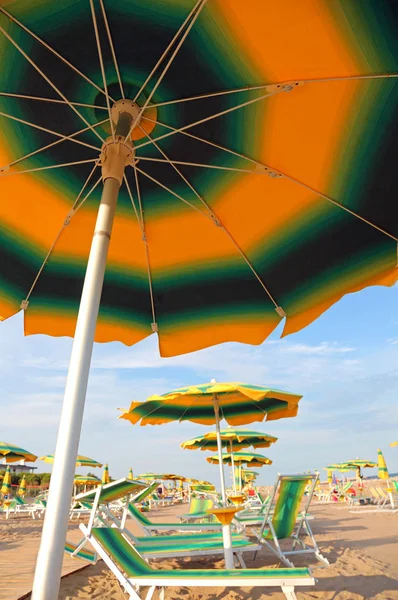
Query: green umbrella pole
[(115, 155)]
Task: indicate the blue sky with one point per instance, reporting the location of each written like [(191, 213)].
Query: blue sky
[(345, 365)]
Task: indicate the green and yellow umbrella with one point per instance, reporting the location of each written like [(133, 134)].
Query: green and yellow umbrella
[(6, 484), (130, 475), (105, 474), (86, 480), (81, 461), (11, 453), (276, 149), (22, 487), (241, 458), (231, 437), (382, 472), (343, 468)]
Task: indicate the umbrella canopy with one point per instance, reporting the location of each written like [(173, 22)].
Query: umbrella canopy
[(231, 437), (86, 480), (393, 444), (288, 174), (248, 458), (105, 475), (130, 475), (6, 484), (81, 461), (360, 462), (11, 453), (330, 476), (343, 468), (239, 403), (150, 476), (382, 466), (22, 487)]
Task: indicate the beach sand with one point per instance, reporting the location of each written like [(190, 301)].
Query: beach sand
[(362, 548)]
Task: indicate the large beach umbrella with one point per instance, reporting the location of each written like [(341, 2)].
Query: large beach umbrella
[(86, 480), (275, 149), (81, 461), (207, 404), (6, 484), (249, 459), (130, 475), (10, 453), (105, 475), (22, 487)]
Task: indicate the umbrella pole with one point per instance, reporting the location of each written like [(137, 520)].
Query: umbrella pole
[(219, 446), (115, 155), (233, 465)]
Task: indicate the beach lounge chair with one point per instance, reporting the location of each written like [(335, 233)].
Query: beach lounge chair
[(283, 521), (133, 572), (197, 510), (151, 528)]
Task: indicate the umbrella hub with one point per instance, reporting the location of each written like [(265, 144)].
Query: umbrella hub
[(125, 111)]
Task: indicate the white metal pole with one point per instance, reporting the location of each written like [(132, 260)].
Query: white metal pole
[(219, 446), (233, 465), (49, 560), (227, 541)]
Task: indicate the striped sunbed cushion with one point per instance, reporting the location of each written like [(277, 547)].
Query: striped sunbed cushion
[(188, 537), (130, 562), (84, 553)]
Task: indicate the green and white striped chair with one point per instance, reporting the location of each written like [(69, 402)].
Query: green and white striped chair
[(133, 572), (283, 519), (151, 528), (197, 510)]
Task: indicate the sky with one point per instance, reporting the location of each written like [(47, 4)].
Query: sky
[(345, 365)]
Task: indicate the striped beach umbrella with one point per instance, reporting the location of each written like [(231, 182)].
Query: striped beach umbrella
[(22, 487), (241, 458), (130, 475), (276, 149), (6, 484), (382, 472), (81, 461), (86, 480), (105, 475), (11, 453), (231, 437)]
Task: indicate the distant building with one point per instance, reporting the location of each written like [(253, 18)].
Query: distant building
[(17, 467)]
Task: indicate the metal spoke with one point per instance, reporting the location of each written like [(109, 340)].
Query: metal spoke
[(200, 5), (59, 135), (172, 192), (108, 31), (76, 206), (57, 54), (172, 163), (208, 142), (101, 60), (46, 168), (339, 205), (272, 85), (171, 44), (34, 65), (58, 141), (54, 100), (219, 114), (141, 222), (262, 171), (133, 204)]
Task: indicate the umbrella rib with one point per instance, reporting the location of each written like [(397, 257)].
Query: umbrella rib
[(198, 9), (154, 324), (171, 44), (47, 167), (254, 88), (288, 88), (37, 68), (59, 135), (43, 148), (108, 31), (54, 100), (173, 193), (339, 205), (69, 216), (173, 163), (141, 224), (43, 43), (101, 61), (196, 137)]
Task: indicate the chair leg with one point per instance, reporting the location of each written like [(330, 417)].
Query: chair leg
[(150, 592), (288, 590)]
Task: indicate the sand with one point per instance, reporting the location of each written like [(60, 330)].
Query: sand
[(362, 548)]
